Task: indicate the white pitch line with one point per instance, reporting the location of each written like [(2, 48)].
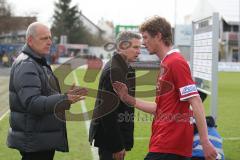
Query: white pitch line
[(4, 114), (141, 138), (231, 138), (3, 98), (87, 123)]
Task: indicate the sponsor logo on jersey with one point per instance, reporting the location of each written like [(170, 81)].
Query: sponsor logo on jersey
[(188, 89)]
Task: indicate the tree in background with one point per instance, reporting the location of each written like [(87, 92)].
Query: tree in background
[(5, 9), (66, 21)]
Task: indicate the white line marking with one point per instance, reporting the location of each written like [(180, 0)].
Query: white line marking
[(87, 123), (6, 109), (4, 114), (141, 138), (231, 139)]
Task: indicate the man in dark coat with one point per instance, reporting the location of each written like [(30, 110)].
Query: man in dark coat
[(37, 107), (112, 125)]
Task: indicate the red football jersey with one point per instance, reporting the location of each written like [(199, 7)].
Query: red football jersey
[(172, 129)]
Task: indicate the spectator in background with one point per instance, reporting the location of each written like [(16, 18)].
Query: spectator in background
[(5, 60), (1, 55), (213, 136), (36, 100)]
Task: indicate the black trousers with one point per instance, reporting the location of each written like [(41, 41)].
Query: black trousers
[(197, 158), (164, 156), (104, 154), (42, 155)]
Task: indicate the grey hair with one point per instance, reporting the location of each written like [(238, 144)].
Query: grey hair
[(126, 36), (31, 30)]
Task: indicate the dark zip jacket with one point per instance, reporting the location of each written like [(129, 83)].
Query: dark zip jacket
[(35, 99), (113, 121)]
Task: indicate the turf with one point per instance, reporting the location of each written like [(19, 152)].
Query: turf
[(228, 119)]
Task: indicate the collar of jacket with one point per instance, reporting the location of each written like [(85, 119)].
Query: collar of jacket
[(40, 60), (121, 61)]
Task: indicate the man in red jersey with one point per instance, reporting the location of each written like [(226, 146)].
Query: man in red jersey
[(172, 128)]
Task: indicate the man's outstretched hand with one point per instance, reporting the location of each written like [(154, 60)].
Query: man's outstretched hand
[(76, 93), (122, 91)]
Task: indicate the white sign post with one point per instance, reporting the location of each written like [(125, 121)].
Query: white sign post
[(204, 57)]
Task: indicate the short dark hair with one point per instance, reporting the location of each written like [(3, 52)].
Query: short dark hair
[(210, 123), (157, 24), (126, 36)]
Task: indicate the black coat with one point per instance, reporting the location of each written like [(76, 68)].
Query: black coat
[(113, 121), (34, 94)]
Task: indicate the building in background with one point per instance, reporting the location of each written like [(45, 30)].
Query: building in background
[(108, 28), (228, 33), (13, 29), (12, 35), (183, 39), (229, 25), (92, 27)]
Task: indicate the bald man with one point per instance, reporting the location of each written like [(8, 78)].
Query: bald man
[(36, 100)]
